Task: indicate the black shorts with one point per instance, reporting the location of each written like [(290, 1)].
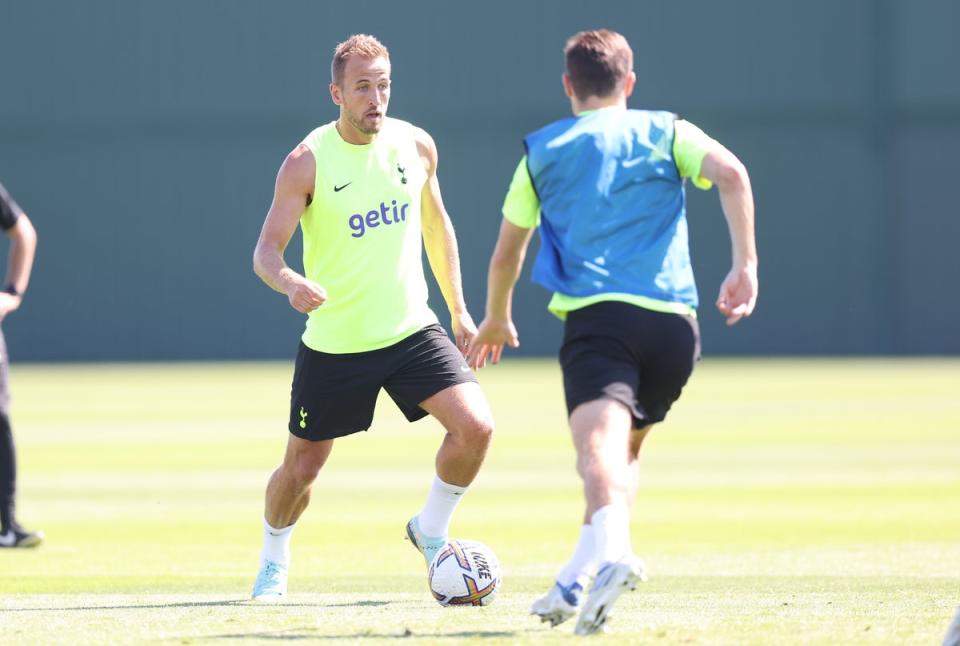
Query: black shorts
[(335, 394), (629, 354)]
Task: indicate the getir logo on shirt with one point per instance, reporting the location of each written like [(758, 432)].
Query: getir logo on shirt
[(386, 215)]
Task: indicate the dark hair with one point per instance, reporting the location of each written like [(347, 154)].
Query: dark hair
[(598, 62)]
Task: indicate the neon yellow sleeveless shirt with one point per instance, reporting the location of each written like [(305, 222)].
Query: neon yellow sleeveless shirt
[(362, 240)]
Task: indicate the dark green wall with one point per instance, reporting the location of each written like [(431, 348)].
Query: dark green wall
[(143, 139)]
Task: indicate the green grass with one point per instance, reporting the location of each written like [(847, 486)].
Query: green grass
[(784, 502)]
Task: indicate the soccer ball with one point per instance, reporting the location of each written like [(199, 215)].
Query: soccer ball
[(464, 573)]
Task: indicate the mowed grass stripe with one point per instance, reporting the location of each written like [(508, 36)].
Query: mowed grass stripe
[(785, 501)]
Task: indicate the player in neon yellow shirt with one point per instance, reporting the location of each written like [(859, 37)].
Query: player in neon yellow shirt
[(606, 189), (364, 190)]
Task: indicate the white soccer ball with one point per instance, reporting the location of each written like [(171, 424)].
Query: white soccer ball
[(464, 573)]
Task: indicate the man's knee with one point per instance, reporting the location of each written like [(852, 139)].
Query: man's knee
[(483, 429), (303, 462), (476, 430), (303, 472)]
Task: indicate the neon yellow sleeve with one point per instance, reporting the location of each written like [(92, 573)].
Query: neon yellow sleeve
[(521, 206), (690, 146)]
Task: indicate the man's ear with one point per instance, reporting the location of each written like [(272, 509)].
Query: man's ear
[(567, 85), (335, 94), (629, 83)]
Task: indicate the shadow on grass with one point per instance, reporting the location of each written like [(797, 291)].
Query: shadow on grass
[(295, 635), (202, 604)]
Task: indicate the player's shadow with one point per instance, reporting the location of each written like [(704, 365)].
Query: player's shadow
[(189, 604), (361, 604), (297, 634)]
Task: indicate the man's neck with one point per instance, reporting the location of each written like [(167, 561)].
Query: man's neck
[(353, 136), (597, 103)]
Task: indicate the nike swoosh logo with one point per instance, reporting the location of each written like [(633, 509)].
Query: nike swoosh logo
[(337, 189), (8, 539), (464, 369)]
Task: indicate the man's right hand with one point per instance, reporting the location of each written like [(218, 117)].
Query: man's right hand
[(492, 335), (738, 293), (295, 182), (305, 295)]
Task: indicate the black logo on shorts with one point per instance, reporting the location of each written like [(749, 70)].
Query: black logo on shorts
[(337, 189)]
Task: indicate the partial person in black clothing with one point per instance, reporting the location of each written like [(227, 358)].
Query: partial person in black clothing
[(23, 244)]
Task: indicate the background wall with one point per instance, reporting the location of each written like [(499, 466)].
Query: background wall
[(143, 139)]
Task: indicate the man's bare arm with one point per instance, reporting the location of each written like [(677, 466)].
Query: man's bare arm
[(23, 247), (294, 186), (440, 242), (497, 328), (738, 292)]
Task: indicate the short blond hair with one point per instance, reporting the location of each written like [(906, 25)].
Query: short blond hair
[(362, 45)]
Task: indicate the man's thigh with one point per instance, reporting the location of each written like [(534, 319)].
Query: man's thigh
[(431, 364), (460, 405)]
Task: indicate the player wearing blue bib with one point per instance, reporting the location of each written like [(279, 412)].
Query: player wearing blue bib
[(606, 189)]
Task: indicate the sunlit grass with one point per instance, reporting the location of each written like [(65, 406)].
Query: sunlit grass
[(784, 501)]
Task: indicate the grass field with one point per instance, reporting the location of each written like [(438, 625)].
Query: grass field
[(784, 502)]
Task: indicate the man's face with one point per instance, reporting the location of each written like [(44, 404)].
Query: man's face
[(364, 93)]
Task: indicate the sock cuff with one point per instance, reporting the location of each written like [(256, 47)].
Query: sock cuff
[(607, 513), (277, 532), (450, 488)]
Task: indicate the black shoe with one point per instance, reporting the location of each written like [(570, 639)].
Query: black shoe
[(19, 537)]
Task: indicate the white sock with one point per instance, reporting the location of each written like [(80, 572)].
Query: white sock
[(434, 518), (611, 532), (276, 544), (582, 564)]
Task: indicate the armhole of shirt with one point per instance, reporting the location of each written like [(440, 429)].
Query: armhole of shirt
[(312, 146), (9, 210), (526, 156), (673, 145), (511, 199), (699, 181)]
